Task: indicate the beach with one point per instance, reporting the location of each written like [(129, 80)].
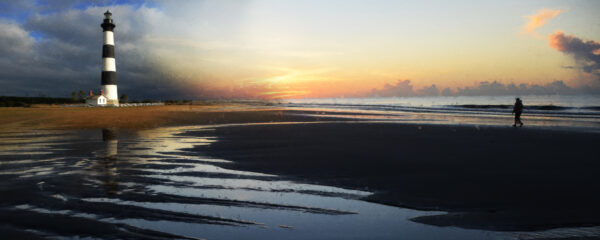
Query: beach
[(329, 164)]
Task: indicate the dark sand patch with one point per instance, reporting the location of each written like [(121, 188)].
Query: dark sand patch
[(73, 226), (496, 178)]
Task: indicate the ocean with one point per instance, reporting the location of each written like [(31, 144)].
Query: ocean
[(576, 111)]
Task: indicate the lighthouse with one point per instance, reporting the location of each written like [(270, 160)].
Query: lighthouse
[(109, 68)]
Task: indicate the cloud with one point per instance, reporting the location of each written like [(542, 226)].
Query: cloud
[(496, 88), (54, 48), (539, 19), (586, 53), (15, 39), (67, 54), (404, 88), (428, 91)]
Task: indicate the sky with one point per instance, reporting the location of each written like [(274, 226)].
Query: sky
[(271, 49)]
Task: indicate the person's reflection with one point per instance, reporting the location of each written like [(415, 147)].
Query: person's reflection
[(109, 161)]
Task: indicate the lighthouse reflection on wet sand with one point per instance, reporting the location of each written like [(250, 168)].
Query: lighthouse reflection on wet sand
[(109, 68)]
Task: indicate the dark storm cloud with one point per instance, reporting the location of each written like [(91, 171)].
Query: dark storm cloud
[(404, 88), (66, 54), (585, 53), (20, 63), (14, 40), (15, 9)]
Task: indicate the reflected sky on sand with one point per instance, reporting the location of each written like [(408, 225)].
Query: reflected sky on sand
[(108, 183)]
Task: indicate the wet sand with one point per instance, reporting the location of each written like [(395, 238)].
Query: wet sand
[(136, 184), (496, 178)]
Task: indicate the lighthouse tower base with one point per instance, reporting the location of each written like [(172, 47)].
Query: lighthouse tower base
[(111, 95)]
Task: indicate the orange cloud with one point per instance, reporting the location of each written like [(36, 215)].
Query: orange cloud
[(557, 40), (539, 19)]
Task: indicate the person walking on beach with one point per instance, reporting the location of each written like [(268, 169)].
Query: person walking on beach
[(517, 110)]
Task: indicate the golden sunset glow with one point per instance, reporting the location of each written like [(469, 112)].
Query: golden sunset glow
[(275, 52)]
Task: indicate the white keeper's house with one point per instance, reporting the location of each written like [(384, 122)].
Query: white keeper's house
[(97, 100)]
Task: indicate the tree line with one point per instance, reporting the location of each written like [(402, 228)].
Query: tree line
[(7, 101), (76, 98)]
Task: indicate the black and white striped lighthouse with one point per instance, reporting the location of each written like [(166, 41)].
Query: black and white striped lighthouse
[(109, 68)]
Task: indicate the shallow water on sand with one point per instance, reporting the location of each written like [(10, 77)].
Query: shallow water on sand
[(108, 183)]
